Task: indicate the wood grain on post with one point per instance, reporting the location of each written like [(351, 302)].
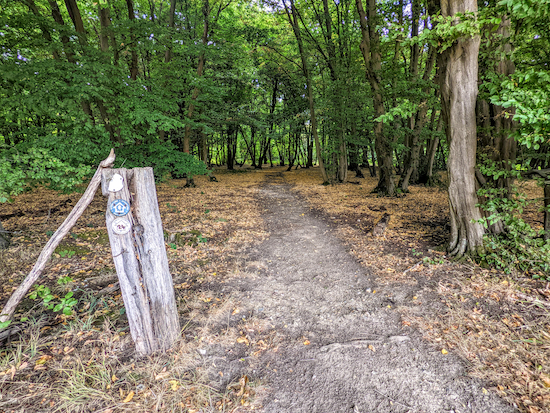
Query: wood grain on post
[(142, 264), (153, 259), (128, 270), (56, 238)]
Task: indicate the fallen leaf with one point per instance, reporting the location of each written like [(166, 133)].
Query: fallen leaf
[(307, 343), (43, 359), (371, 347), (162, 376), (129, 397), (243, 340)]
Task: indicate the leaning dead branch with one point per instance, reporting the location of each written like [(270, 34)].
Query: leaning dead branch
[(56, 238)]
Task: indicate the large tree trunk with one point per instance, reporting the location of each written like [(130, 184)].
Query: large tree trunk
[(370, 48), (459, 70)]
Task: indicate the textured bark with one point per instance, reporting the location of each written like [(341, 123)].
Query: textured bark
[(204, 154), (105, 22), (56, 238), (168, 54), (142, 264), (370, 48), (459, 72)]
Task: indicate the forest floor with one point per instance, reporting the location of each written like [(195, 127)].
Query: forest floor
[(287, 301)]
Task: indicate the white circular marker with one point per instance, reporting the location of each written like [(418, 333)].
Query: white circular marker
[(121, 226), (116, 183)]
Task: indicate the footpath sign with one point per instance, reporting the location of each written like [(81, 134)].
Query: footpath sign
[(139, 254)]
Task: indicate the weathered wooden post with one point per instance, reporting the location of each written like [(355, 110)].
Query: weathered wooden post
[(139, 254)]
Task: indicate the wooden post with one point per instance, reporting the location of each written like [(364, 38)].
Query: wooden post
[(141, 262)]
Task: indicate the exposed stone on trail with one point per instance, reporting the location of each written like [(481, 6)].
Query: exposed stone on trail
[(343, 348)]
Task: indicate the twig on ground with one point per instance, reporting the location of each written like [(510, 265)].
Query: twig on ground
[(530, 299), (393, 400), (412, 268)]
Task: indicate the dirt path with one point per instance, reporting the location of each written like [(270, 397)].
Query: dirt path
[(343, 347)]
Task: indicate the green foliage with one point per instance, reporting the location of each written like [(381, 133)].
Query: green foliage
[(65, 304), (44, 293), (65, 280), (165, 158), (520, 246), (528, 92), (20, 171), (66, 253)]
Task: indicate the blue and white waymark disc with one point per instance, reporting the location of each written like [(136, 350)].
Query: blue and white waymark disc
[(119, 207)]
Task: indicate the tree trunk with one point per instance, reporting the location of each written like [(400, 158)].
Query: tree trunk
[(459, 71), (45, 31), (58, 18), (200, 70), (293, 20), (417, 123), (134, 57), (505, 145), (74, 13), (370, 48), (432, 151), (546, 212), (204, 148)]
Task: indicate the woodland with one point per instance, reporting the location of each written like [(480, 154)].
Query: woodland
[(398, 89), (434, 112)]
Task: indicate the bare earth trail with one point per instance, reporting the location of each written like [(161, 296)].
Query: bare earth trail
[(344, 348)]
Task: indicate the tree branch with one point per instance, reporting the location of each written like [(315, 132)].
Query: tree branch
[(56, 238)]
